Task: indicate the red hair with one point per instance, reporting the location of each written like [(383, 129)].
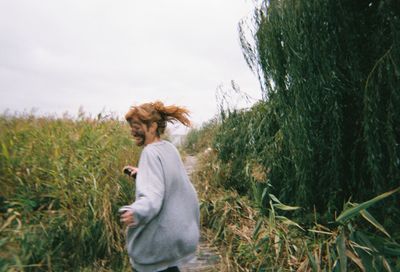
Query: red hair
[(159, 113)]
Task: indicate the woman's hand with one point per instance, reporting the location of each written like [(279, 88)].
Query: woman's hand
[(127, 218), (130, 171)]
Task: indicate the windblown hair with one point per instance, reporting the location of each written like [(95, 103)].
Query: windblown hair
[(159, 113)]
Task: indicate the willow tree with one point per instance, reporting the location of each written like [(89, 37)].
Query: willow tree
[(331, 71)]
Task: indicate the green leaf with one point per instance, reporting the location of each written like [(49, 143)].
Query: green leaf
[(391, 248), (263, 195), (274, 198), (312, 260), (287, 221), (281, 206), (364, 241), (341, 248), (286, 207), (355, 259), (257, 227), (386, 265), (372, 220), (5, 151), (320, 232), (354, 211)]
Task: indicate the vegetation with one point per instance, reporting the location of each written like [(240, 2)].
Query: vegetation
[(328, 129), (307, 179), (260, 234), (325, 137), (199, 139), (61, 187)]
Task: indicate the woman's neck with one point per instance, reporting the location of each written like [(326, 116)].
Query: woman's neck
[(152, 140)]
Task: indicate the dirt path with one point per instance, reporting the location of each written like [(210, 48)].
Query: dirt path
[(207, 257)]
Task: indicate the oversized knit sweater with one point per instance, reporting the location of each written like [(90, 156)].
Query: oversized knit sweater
[(166, 211)]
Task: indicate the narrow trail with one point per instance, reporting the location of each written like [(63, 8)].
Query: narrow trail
[(207, 257)]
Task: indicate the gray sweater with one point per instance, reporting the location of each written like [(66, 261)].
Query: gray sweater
[(166, 211)]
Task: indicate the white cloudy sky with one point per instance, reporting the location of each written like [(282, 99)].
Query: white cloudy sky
[(56, 56)]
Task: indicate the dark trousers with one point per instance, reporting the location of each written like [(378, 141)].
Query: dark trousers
[(169, 269)]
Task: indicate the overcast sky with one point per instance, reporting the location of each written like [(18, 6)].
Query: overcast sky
[(56, 56)]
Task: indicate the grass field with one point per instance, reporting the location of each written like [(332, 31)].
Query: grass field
[(61, 186), (263, 235)]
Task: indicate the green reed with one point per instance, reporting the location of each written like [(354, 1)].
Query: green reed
[(61, 186), (199, 139), (254, 237)]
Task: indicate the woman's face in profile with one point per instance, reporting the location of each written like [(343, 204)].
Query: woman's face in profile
[(138, 131), (142, 133)]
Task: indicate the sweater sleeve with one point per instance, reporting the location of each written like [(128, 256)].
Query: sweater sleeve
[(150, 188)]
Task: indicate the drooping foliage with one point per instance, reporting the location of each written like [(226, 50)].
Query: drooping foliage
[(329, 128)]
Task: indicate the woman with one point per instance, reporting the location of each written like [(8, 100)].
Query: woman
[(163, 222)]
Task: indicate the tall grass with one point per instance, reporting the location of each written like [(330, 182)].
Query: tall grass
[(254, 237), (61, 186), (199, 139)]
